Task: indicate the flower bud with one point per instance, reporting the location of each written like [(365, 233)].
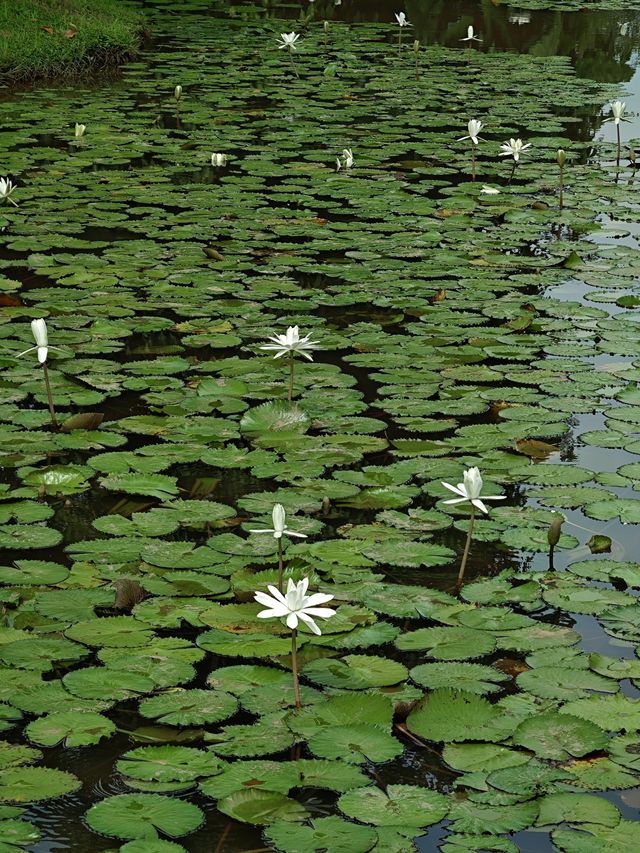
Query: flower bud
[(177, 92), (326, 26), (416, 45), (555, 528), (561, 157)]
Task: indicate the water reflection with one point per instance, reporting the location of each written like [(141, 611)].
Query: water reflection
[(601, 44)]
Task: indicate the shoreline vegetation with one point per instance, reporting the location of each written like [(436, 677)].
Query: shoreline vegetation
[(50, 38)]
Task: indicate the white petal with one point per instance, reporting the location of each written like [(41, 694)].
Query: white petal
[(309, 621), (42, 354), (317, 598), (456, 489), (273, 614), (293, 533), (292, 621), (262, 531), (31, 349), (478, 503), (275, 592), (323, 612), (455, 501)]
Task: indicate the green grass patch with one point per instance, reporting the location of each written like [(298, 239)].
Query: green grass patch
[(44, 38)]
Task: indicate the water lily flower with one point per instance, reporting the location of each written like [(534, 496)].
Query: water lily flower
[(80, 129), (39, 329), (401, 18), (289, 40), (291, 343), (177, 92), (471, 36), (279, 525), (347, 159), (296, 605), (487, 190), (6, 188), (513, 148), (218, 159), (618, 109), (474, 127), (470, 490)]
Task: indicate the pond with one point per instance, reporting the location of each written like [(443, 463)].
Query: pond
[(457, 324)]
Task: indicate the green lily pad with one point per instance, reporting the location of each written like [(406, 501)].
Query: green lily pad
[(143, 815)]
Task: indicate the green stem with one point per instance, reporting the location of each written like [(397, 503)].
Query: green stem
[(551, 553), (513, 171), (293, 64), (280, 565), (399, 38), (52, 410), (561, 187), (290, 377), (294, 669), (618, 156), (417, 68), (467, 548), (473, 161)]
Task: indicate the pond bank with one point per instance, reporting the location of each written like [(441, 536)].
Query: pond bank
[(47, 38)]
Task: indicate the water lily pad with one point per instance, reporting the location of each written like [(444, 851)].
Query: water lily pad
[(74, 728), (30, 784), (559, 735), (189, 707), (331, 834), (143, 815), (261, 807), (399, 805), (168, 764), (355, 672)]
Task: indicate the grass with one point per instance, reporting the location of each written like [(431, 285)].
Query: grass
[(45, 38)]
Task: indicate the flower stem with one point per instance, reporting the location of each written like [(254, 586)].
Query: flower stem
[(290, 378), (294, 669), (467, 548), (293, 64), (280, 565), (400, 38), (561, 187), (52, 410), (417, 67), (618, 155), (513, 171), (473, 161)]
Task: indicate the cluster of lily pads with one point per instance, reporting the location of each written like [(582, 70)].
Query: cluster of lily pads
[(132, 534)]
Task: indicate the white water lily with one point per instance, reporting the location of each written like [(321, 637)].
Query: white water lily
[(289, 40), (470, 490), (618, 109), (474, 127), (401, 18), (513, 148), (487, 190), (39, 329), (6, 188), (471, 36), (280, 528), (291, 343), (177, 92), (218, 159), (296, 605), (345, 161), (80, 129)]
